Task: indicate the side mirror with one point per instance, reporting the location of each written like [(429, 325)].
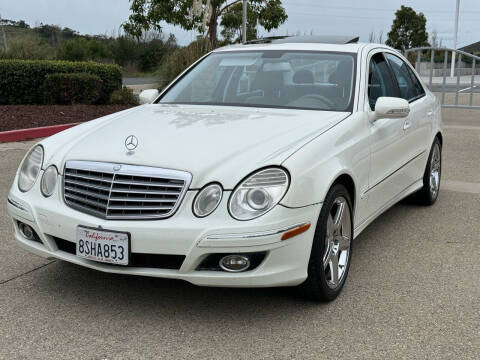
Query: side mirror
[(391, 108), (147, 96)]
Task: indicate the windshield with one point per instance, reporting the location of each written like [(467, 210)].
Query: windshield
[(280, 79)]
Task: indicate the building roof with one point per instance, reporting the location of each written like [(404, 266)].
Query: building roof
[(472, 48)]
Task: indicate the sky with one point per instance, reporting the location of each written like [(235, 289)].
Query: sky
[(339, 17)]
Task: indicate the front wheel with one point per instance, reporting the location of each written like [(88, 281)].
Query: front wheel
[(331, 248)]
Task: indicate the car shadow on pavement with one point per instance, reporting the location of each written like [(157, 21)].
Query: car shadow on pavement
[(71, 283)]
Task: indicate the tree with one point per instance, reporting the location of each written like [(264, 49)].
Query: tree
[(201, 15), (82, 49), (232, 23), (435, 41), (372, 38), (408, 30)]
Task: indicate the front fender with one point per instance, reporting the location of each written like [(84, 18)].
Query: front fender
[(343, 150)]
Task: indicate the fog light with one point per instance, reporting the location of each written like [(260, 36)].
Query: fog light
[(27, 231), (235, 263)]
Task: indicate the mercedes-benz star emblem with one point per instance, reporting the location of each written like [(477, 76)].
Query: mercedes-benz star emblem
[(131, 142)]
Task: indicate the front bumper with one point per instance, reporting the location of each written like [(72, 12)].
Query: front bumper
[(285, 263)]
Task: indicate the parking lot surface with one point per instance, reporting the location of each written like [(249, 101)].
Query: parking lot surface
[(413, 291)]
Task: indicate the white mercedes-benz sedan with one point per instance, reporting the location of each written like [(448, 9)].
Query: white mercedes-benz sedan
[(256, 167)]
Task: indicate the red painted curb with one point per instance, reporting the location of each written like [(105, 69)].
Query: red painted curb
[(33, 133)]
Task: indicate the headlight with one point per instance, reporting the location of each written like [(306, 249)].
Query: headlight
[(49, 180), (258, 194), (30, 169), (207, 200)]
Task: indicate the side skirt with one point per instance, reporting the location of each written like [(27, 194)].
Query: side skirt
[(417, 185)]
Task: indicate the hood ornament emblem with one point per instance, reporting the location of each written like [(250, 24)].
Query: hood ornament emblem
[(131, 142)]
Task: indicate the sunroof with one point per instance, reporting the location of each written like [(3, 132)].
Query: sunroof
[(321, 39)]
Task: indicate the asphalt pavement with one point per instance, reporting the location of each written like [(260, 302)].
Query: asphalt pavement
[(126, 81), (413, 291)]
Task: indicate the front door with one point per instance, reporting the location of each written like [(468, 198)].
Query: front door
[(387, 140)]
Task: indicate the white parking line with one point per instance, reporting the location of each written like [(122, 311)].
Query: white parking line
[(461, 186), (461, 127), (19, 145), (468, 88)]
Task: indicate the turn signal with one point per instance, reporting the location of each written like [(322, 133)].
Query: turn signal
[(296, 231)]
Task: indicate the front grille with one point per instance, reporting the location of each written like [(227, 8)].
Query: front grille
[(158, 261), (116, 192)]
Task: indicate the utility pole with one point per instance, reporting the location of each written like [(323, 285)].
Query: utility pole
[(5, 46), (244, 22), (455, 32)]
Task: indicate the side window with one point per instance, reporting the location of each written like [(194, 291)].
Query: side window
[(416, 82), (380, 82), (409, 89)]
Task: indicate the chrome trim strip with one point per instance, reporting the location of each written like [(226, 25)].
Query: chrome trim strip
[(133, 170), (255, 234), (17, 205), (394, 172)]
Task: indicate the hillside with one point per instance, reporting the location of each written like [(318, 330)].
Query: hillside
[(53, 42)]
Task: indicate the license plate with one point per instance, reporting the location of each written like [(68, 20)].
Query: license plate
[(103, 246)]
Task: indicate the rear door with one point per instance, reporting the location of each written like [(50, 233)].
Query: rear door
[(416, 126)]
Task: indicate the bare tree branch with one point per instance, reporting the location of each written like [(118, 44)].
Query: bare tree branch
[(227, 6)]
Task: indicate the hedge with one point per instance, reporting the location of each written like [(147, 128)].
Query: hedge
[(22, 81), (123, 96), (69, 89)]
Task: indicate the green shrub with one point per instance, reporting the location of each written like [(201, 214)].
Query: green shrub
[(22, 82), (123, 96), (151, 55), (124, 51), (179, 60), (81, 49), (74, 50), (69, 89), (28, 48)]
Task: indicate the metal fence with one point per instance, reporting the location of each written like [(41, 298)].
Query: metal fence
[(455, 85)]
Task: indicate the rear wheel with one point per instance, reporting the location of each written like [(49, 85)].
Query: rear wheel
[(331, 248), (428, 194)]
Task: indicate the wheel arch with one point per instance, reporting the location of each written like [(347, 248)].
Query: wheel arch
[(440, 137), (347, 181)]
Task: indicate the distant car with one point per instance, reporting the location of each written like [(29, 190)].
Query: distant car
[(256, 167)]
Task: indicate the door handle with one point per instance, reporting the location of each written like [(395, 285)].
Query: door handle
[(430, 113), (407, 124)]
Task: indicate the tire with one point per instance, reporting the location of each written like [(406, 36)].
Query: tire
[(428, 194), (332, 240)]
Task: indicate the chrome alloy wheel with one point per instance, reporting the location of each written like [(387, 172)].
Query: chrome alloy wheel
[(337, 242), (435, 171)]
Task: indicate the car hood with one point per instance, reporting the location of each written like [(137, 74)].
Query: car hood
[(213, 143)]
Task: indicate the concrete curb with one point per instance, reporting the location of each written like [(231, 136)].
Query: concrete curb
[(33, 133)]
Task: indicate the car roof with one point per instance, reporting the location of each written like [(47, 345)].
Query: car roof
[(304, 46), (348, 48)]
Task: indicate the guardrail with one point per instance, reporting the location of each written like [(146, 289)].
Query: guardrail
[(450, 84)]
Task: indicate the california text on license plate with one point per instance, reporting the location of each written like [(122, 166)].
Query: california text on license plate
[(104, 246)]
